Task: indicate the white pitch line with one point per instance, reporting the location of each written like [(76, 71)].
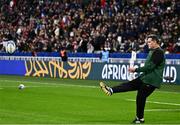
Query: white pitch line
[(161, 110), (168, 92), (29, 86), (68, 85), (51, 83), (162, 103)]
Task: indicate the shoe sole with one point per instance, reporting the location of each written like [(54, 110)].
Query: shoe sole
[(104, 88)]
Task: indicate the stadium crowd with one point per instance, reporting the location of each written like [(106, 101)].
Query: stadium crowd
[(89, 25)]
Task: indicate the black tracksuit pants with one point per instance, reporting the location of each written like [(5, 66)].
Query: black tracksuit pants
[(143, 91)]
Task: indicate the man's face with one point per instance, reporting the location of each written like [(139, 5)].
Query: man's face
[(151, 44)]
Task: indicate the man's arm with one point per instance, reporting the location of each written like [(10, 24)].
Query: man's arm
[(157, 59), (145, 68)]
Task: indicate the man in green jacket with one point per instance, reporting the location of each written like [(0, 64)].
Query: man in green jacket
[(147, 82)]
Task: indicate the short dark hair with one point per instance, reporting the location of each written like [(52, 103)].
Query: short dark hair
[(154, 38)]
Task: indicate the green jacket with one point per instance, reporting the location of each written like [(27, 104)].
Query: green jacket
[(152, 71)]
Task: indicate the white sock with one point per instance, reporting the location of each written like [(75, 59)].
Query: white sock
[(111, 90)]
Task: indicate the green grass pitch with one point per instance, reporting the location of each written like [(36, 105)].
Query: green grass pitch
[(65, 101)]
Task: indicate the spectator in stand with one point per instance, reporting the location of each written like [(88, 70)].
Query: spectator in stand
[(104, 56), (63, 54), (35, 23)]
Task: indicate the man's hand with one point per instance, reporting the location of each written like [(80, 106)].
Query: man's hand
[(131, 69)]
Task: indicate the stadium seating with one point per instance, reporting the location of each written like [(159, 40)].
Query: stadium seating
[(88, 26)]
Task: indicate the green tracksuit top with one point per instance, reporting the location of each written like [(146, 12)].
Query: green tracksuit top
[(152, 71)]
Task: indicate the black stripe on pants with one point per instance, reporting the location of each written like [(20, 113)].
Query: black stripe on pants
[(144, 90)]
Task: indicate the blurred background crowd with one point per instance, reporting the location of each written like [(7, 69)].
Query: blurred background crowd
[(89, 25)]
